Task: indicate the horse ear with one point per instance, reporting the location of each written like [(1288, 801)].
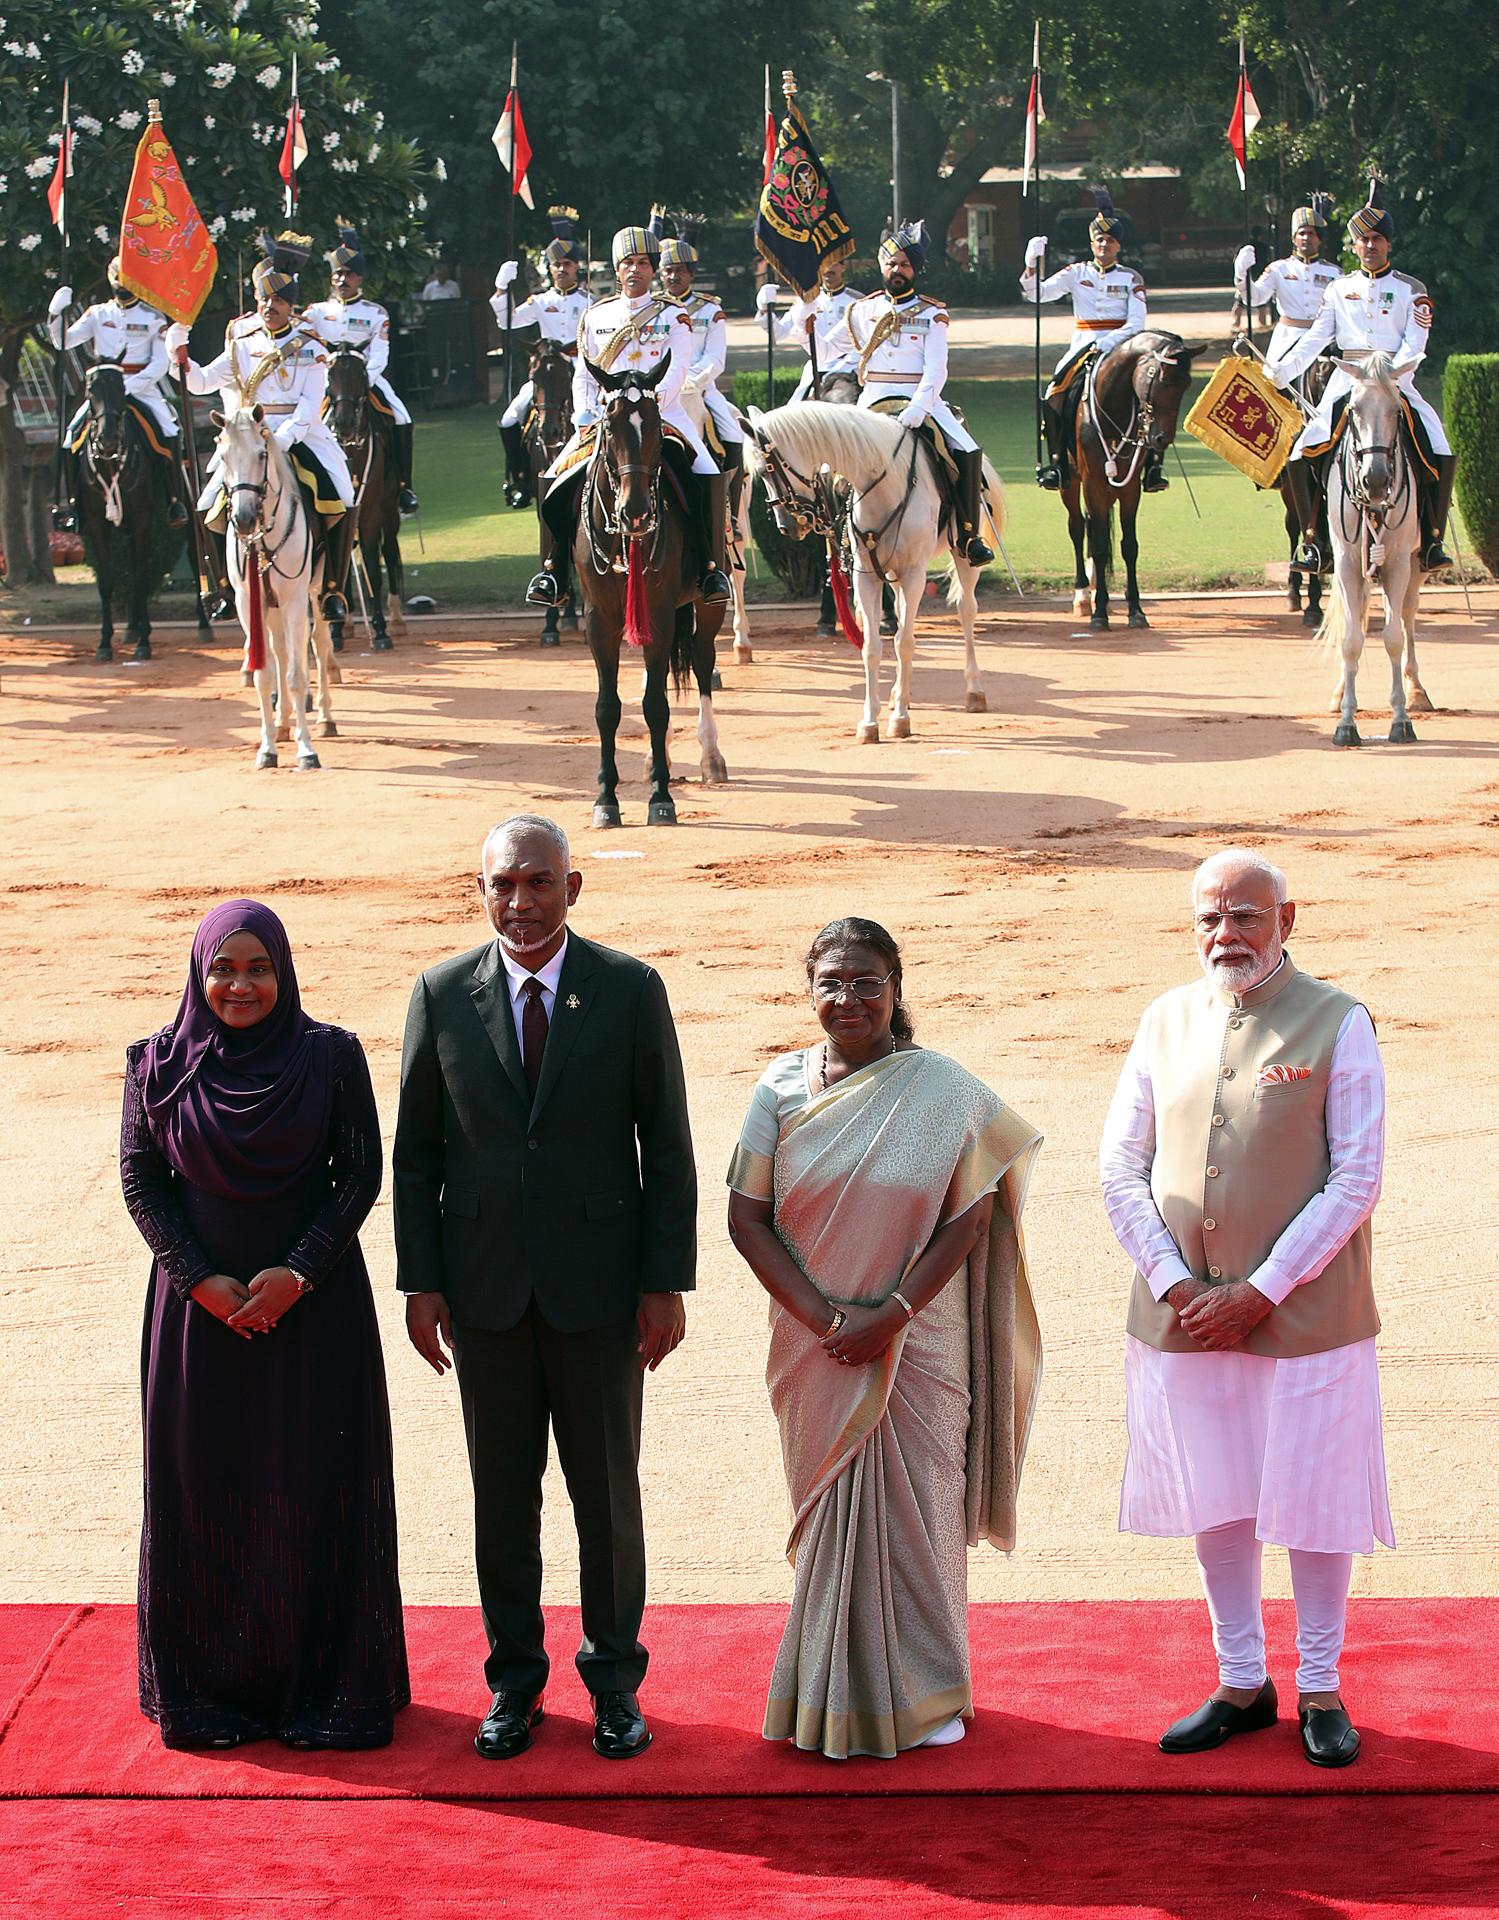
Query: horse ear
[(597, 372), (657, 374), (257, 413), (217, 418)]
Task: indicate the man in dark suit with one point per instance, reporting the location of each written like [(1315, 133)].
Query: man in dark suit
[(545, 1220)]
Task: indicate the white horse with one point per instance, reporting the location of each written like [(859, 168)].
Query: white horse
[(1374, 518), (269, 520), (738, 531), (896, 525)]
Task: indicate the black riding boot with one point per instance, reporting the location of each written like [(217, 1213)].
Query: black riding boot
[(1050, 475), (338, 544), (1152, 480), (549, 588), (715, 586), (827, 611), (733, 466), (517, 474), (217, 551), (65, 515), (403, 438), (176, 498), (1436, 504), (1305, 497), (976, 549)]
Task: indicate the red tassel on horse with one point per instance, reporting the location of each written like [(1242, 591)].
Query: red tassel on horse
[(841, 599), (255, 653), (637, 605)]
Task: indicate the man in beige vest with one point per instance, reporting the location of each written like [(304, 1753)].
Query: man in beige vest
[(1241, 1163)]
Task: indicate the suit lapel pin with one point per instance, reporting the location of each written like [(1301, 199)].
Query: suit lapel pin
[(573, 1001)]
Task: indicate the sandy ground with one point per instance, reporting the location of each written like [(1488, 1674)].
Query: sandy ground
[(1033, 859)]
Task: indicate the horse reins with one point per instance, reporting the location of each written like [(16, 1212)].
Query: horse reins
[(1137, 429), (255, 543)]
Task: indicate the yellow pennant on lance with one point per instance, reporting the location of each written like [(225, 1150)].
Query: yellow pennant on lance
[(166, 256), (1242, 416)]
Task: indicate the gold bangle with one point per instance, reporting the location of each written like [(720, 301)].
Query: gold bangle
[(910, 1310), (839, 1316)]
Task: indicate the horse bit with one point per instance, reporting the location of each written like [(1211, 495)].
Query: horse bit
[(1137, 430)]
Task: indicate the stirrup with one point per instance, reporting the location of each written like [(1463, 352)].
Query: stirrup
[(65, 519), (1308, 558), (977, 552), (544, 591), (1154, 481), (408, 503), (517, 494), (1049, 477), (715, 588), (334, 605), (1435, 556), (176, 515)]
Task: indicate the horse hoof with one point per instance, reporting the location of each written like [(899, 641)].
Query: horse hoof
[(715, 685), (328, 730), (1402, 733), (744, 653), (569, 623), (900, 726), (1345, 734), (868, 734), (1312, 617), (1079, 605), (714, 771), (308, 763), (1138, 619), (247, 679), (550, 638), (605, 816), (336, 635), (104, 651), (976, 703), (1099, 623), (141, 650), (661, 813), (1419, 701), (265, 758), (335, 679), (382, 643)]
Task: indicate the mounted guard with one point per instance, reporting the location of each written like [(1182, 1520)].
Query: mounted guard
[(1297, 284), (1108, 306), (125, 331), (900, 339), (636, 331), (281, 365), (1374, 310), (348, 318), (820, 318), (556, 312), (710, 347)]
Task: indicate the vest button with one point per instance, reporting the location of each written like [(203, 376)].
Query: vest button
[(1236, 1023), (1217, 1119), (1212, 1173), (1209, 1225), (1215, 1273), (533, 1144), (1228, 1073)]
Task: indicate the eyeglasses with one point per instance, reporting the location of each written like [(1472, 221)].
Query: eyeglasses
[(866, 987), (1241, 919)]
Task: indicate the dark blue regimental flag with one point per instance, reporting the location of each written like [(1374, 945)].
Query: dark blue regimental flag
[(800, 226)]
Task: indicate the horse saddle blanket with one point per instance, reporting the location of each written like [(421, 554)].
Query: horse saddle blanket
[(581, 451), (1413, 434), (1246, 420), (149, 430), (319, 495)]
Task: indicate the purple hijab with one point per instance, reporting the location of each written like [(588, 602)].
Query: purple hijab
[(239, 1113)]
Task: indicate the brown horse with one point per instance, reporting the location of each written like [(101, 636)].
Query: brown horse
[(1127, 411), (547, 431), (633, 552), (1313, 384), (377, 513)]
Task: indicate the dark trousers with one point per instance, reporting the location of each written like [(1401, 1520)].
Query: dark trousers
[(587, 1388)]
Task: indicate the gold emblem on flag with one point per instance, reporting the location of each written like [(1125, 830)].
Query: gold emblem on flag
[(1241, 416)]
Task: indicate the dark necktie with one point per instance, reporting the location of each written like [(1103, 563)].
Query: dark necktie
[(533, 1033)]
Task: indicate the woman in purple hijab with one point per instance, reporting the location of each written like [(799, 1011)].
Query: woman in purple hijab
[(269, 1603)]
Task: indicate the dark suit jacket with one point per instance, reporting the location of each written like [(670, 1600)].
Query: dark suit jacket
[(584, 1198)]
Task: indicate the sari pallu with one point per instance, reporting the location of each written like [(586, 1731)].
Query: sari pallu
[(896, 1467)]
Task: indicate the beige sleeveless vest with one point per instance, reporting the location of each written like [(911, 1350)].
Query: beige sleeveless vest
[(1241, 1146)]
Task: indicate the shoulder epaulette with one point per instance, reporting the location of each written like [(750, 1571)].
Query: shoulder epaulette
[(1415, 285), (931, 300)]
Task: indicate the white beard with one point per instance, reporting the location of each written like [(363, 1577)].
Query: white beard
[(1242, 974)]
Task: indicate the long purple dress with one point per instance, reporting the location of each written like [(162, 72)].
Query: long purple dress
[(269, 1602)]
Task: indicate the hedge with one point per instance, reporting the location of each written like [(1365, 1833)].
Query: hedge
[(1470, 409), (800, 565)]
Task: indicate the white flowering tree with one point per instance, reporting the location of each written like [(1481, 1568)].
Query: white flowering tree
[(222, 71)]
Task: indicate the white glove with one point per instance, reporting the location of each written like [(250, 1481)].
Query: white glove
[(911, 415), (802, 312), (60, 302), (176, 336), (506, 275), (586, 418), (1035, 251), (286, 434), (1276, 378), (1243, 262), (766, 298)]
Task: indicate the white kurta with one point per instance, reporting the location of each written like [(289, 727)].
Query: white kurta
[(1296, 1445)]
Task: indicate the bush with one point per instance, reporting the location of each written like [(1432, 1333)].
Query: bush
[(1470, 407), (800, 565)]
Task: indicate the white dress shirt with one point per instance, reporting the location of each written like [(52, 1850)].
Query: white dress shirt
[(518, 975), (1355, 1141)]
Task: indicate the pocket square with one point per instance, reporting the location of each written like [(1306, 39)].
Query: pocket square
[(1281, 1076)]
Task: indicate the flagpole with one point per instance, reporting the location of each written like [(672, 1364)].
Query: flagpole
[(510, 241), (770, 318), (1244, 136), (60, 509), (1033, 112), (291, 171), (788, 88)]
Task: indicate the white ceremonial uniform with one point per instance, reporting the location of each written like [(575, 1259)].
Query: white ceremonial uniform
[(910, 363), (1297, 288), (827, 312), (710, 350), (1108, 305), (292, 393), (1294, 1445), (134, 334), (556, 316), (659, 330), (363, 324), (1364, 314)]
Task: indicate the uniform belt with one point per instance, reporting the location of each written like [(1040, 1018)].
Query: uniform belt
[(1098, 326), (1286, 320), (278, 406), (138, 366), (905, 378)]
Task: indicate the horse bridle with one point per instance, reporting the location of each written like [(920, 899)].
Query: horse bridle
[(817, 508), (1138, 428), (1369, 515), (550, 439), (256, 539), (601, 463)]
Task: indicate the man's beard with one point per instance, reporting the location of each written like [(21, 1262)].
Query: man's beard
[(898, 286), (1241, 975)]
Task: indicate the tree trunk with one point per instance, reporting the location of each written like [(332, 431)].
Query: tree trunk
[(39, 498), (926, 191), (15, 541)]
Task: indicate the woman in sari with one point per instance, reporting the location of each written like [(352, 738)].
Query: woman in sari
[(876, 1193), (269, 1604)]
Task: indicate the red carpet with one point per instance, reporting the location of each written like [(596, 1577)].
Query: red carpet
[(1056, 1805), (1071, 1697)]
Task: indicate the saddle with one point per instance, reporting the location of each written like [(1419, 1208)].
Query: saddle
[(563, 500), (945, 467), (150, 432)]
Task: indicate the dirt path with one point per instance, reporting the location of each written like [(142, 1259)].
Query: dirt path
[(1033, 860)]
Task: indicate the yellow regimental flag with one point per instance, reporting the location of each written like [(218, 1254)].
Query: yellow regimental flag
[(1240, 415)]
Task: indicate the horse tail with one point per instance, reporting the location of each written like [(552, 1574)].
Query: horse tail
[(1334, 627)]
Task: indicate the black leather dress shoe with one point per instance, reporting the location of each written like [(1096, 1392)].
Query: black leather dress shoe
[(1218, 1720), (619, 1729), (1328, 1737), (506, 1729)]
